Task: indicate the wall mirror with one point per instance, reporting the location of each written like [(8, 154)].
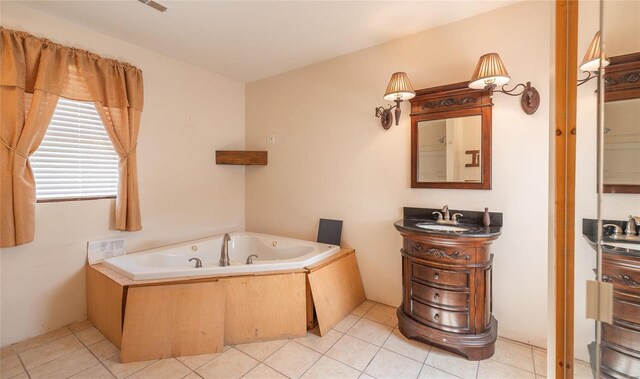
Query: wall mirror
[(622, 125), (451, 138)]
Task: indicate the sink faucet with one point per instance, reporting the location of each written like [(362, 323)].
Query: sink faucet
[(445, 218), (224, 252), (630, 230)]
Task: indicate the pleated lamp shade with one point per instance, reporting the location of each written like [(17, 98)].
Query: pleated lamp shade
[(490, 70), (591, 60), (399, 88)]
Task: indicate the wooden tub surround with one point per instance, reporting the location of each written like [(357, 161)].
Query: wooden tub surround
[(447, 284), (154, 319)]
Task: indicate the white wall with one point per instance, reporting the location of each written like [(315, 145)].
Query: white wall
[(189, 113), (621, 36), (333, 160)]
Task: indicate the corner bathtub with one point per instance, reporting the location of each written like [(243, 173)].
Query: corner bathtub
[(274, 254)]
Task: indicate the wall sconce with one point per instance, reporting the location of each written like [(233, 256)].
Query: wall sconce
[(399, 89), (491, 73), (591, 61)]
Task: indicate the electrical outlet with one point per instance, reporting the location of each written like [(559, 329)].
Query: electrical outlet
[(271, 139)]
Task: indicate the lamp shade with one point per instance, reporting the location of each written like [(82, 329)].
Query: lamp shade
[(591, 60), (490, 70), (399, 88)]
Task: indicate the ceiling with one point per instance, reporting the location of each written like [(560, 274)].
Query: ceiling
[(251, 40)]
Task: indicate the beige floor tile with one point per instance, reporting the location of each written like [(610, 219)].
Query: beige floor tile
[(193, 375), (66, 366), (196, 361), (387, 364), (370, 331), (363, 308), (326, 367), (79, 325), (292, 359), (231, 364), (41, 339), (452, 363), (10, 366), (96, 372), (582, 370), (48, 352), (514, 354), (429, 372), (383, 314), (21, 376), (353, 352), (346, 323), (104, 349), (320, 344), (540, 361), (261, 350), (163, 369), (8, 351), (122, 370), (89, 336), (263, 371), (404, 346), (365, 376), (490, 369)]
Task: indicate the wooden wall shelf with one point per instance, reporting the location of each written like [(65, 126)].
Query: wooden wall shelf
[(241, 157)]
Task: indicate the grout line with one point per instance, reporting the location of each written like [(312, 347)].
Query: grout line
[(23, 366), (179, 361)]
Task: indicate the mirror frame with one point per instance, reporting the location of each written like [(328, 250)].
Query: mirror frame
[(622, 82), (448, 101)]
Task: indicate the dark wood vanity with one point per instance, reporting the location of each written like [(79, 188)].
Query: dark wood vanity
[(447, 284), (620, 347)]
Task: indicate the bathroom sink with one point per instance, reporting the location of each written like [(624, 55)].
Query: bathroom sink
[(446, 228), (623, 245)]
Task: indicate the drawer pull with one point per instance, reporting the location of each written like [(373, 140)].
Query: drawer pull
[(436, 297), (437, 253), (436, 276), (436, 317)]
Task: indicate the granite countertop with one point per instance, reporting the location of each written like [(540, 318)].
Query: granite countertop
[(410, 225), (589, 231), (472, 220)]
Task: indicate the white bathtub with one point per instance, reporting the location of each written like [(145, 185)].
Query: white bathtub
[(274, 254)]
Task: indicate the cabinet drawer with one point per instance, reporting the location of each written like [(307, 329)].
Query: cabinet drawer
[(623, 277), (453, 300), (458, 322), (440, 277), (626, 311), (440, 254), (621, 336), (619, 362)]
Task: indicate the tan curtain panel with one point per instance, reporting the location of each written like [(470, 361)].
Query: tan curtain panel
[(37, 71)]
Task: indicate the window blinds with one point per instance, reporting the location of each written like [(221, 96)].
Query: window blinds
[(76, 158)]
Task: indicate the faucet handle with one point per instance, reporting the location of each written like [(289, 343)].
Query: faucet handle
[(455, 216), (445, 208), (617, 230), (437, 213), (632, 226)]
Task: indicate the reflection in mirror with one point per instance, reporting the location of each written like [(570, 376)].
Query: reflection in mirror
[(449, 150), (622, 142)]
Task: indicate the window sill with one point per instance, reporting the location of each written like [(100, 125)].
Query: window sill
[(57, 200)]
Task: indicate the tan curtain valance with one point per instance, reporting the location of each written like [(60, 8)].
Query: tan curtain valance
[(34, 72), (33, 63)]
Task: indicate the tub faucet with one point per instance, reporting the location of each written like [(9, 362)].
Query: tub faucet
[(198, 262), (250, 259), (224, 252)]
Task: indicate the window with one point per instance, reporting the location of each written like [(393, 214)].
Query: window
[(76, 159)]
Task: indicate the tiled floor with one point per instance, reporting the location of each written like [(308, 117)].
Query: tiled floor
[(366, 344)]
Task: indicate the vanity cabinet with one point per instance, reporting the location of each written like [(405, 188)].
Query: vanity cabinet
[(447, 292), (621, 340)]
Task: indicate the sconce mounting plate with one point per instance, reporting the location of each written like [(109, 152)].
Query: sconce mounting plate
[(530, 100)]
